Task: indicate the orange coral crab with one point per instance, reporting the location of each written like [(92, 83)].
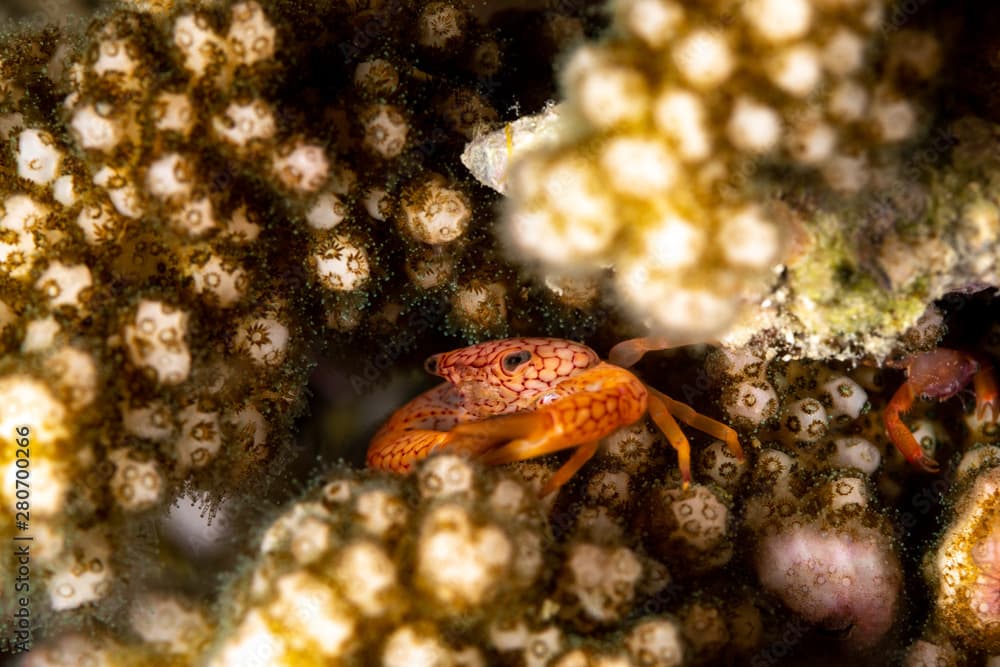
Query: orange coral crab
[(938, 374), (519, 398)]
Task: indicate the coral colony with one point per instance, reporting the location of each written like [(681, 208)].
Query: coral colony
[(230, 232)]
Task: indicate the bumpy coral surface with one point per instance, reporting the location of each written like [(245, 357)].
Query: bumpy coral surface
[(448, 566), (665, 124), (186, 214), (964, 568)]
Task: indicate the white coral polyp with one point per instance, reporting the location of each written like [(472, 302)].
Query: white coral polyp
[(26, 401), (405, 647), (376, 76), (200, 437), (38, 158), (244, 123), (673, 243), (658, 642), (240, 228), (367, 575), (169, 177), (301, 166), (602, 580), (253, 643), (195, 217), (219, 282), (327, 211), (611, 95), (83, 575), (40, 334), (251, 36), (796, 70), (21, 217), (893, 120), (680, 115), (63, 285), (638, 167), (322, 621), (156, 343), (849, 577), (121, 192), (99, 222), (751, 401), (458, 563), (655, 22), (200, 46), (173, 112), (75, 373), (136, 483), (573, 190), (113, 58), (264, 339), (169, 621), (377, 203), (152, 421), (481, 305), (343, 266), (753, 126), (385, 130), (855, 452), (436, 213), (703, 59), (844, 52), (844, 398), (94, 130), (811, 141), (848, 100), (63, 190), (779, 20), (748, 239)]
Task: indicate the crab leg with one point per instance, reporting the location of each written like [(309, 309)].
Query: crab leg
[(900, 435), (703, 423), (660, 414), (628, 352)]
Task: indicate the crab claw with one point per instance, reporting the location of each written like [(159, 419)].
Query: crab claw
[(987, 394), (901, 436)]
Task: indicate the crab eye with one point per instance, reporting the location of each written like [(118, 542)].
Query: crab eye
[(431, 365), (515, 359)]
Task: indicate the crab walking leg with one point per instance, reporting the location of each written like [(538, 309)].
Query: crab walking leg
[(900, 435), (628, 352), (583, 454), (661, 415), (703, 423)]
